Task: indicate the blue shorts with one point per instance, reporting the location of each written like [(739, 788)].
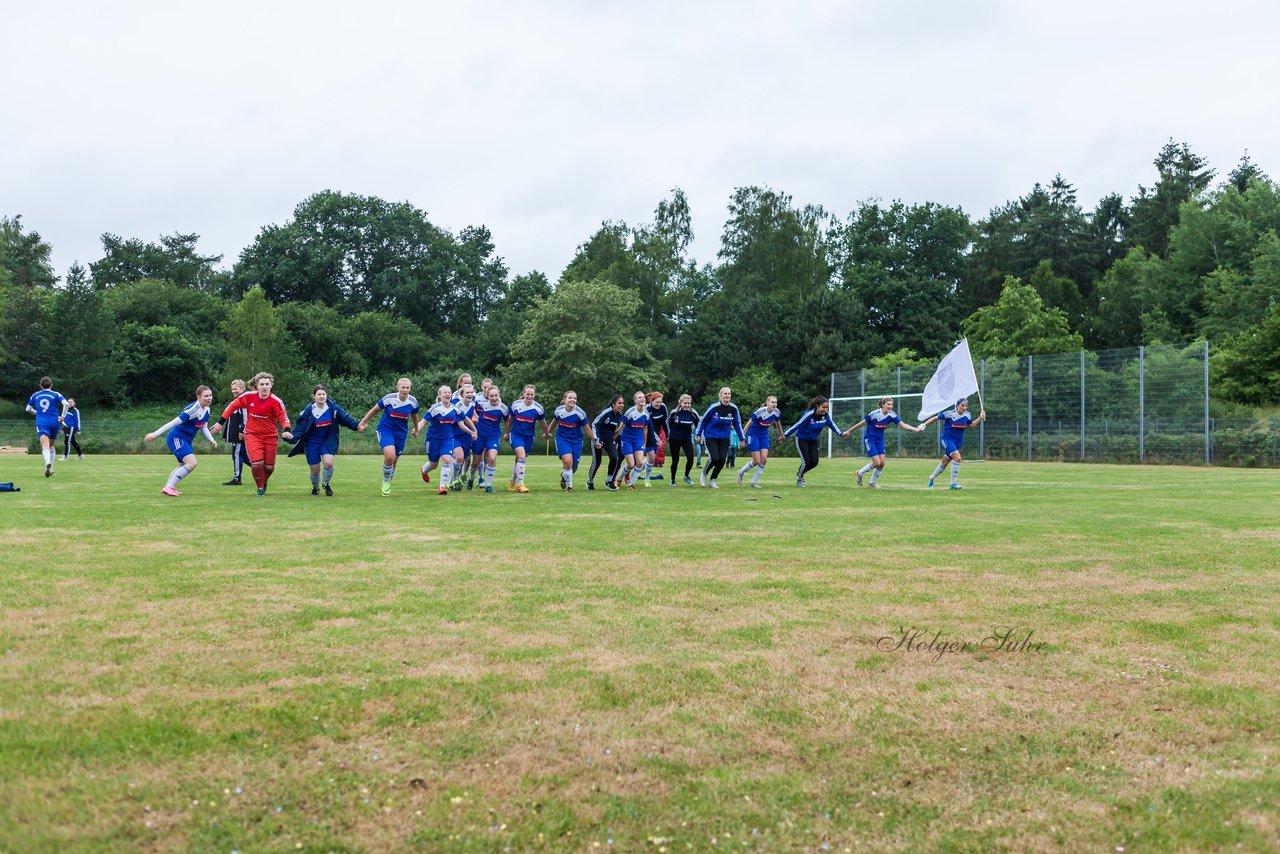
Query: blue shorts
[(758, 443), (389, 439), (950, 447), (526, 442), (50, 430), (630, 446), (437, 449), (464, 442), (484, 443), (181, 447), (568, 446), (872, 447), (315, 451)]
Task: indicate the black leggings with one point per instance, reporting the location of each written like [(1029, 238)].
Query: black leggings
[(69, 442), (675, 447), (717, 451), (808, 455), (610, 450), (237, 459)]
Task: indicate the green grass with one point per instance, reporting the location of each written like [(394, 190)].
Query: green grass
[(667, 669)]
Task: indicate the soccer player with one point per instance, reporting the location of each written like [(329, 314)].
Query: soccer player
[(440, 442), (490, 415), (806, 431), (233, 435), (315, 433), (873, 438), (71, 425), (464, 434), (181, 431), (657, 429), (635, 428), (570, 422), (720, 419), (954, 423), (758, 439), (263, 411), (48, 407), (522, 422), (682, 422), (605, 428), (397, 408)]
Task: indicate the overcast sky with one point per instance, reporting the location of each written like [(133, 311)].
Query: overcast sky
[(542, 119)]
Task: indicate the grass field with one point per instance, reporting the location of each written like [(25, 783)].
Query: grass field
[(665, 670)]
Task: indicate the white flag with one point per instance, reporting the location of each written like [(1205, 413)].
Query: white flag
[(953, 380)]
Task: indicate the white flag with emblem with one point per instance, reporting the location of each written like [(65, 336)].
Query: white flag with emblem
[(953, 380)]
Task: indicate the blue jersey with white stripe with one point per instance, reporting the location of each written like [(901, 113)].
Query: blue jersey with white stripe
[(720, 420), (190, 420), (524, 418), (441, 418), (489, 419), (762, 421), (322, 426), (71, 420), (48, 406), (569, 423), (810, 426), (954, 424), (634, 423), (463, 413), (877, 421), (396, 413)]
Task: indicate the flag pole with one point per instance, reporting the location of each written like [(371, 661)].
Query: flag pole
[(981, 407)]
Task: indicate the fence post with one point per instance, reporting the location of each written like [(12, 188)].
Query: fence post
[(982, 428), (1081, 406), (1273, 440), (898, 400), (1028, 409), (1142, 401), (1207, 453)]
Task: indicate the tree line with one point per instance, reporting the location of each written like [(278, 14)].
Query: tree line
[(355, 290)]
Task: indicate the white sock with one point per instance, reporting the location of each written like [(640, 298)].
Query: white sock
[(328, 475), (176, 476), (567, 474), (490, 472), (648, 469), (446, 470), (520, 465), (742, 472), (633, 477), (875, 474), (49, 456), (865, 469), (938, 470), (955, 471), (755, 478), (388, 472)]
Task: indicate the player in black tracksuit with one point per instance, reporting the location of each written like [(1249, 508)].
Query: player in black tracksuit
[(682, 421), (605, 428), (233, 435)]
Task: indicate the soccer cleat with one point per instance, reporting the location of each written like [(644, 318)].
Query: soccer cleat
[(169, 490), (739, 478), (563, 485), (930, 486), (235, 481), (713, 484), (631, 487), (858, 475), (568, 489), (63, 458), (671, 482), (956, 486), (688, 480), (328, 490), (755, 485), (522, 488), (456, 486), (315, 490), (611, 486), (800, 482), (646, 484), (488, 489), (79, 456), (262, 490), (470, 483), (511, 486), (386, 487), (426, 475), (873, 486), (443, 490), (591, 487)]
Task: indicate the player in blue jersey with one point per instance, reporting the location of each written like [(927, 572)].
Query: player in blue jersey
[(315, 432), (657, 432), (491, 413), (682, 421), (522, 423), (568, 422), (873, 438), (719, 421), (440, 443), (464, 434), (181, 432), (71, 427), (48, 407), (635, 429), (758, 426), (816, 418), (397, 410), (954, 423)]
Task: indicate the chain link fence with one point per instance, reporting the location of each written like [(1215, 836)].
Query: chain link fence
[(1136, 405)]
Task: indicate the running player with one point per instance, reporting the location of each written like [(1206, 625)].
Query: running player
[(233, 435), (682, 422), (954, 423), (656, 433), (873, 438), (605, 427), (398, 409), (181, 431), (440, 442), (315, 433), (522, 423), (758, 439), (635, 428), (721, 419), (48, 407), (570, 422), (263, 411), (490, 415), (464, 434), (806, 431)]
